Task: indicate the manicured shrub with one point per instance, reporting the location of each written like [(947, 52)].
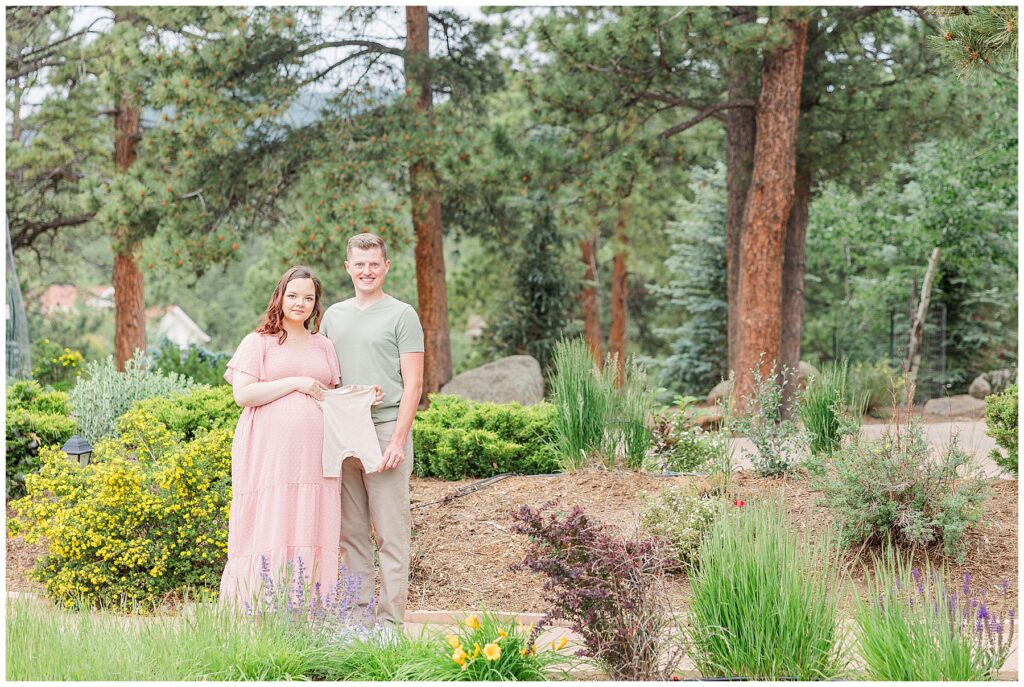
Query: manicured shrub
[(1001, 421), (597, 420), (682, 517), (35, 418), (916, 627), (764, 605), (893, 488), (196, 363), (456, 438), (825, 410), (199, 408), (777, 443), (54, 365), (99, 399), (609, 587), (147, 518)]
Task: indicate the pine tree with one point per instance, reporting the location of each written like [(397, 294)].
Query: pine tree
[(977, 38)]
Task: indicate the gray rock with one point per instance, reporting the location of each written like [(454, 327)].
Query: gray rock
[(962, 405), (516, 378), (724, 388), (980, 388), (1000, 379)]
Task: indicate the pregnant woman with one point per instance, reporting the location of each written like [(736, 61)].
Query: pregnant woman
[(284, 512)]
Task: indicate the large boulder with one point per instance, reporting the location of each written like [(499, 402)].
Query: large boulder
[(724, 388), (962, 405), (516, 378), (980, 388)]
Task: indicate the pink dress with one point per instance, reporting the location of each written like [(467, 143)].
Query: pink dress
[(282, 507)]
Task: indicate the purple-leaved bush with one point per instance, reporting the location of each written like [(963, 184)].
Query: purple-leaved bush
[(610, 588)]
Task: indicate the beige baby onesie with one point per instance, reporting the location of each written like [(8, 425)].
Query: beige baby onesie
[(348, 429)]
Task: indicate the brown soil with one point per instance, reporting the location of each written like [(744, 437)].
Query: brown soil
[(462, 548), (463, 544)]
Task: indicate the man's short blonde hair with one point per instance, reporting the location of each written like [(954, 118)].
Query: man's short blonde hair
[(367, 242)]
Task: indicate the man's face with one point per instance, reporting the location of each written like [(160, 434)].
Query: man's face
[(367, 267)]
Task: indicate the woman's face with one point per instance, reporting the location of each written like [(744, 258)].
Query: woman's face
[(299, 299)]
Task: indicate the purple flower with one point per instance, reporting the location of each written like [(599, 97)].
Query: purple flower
[(967, 584), (983, 613)]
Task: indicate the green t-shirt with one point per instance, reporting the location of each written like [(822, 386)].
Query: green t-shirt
[(369, 344)]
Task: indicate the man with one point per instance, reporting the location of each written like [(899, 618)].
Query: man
[(379, 340)]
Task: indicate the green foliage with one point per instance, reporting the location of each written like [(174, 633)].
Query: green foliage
[(483, 647), (918, 628), (977, 38), (145, 519), (55, 365), (777, 442), (865, 248), (894, 489), (696, 294), (208, 641), (540, 308), (683, 517), (456, 438), (678, 445), (196, 363), (595, 421), (1001, 425), (765, 604), (875, 385), (825, 410), (188, 413), (35, 418), (98, 400)]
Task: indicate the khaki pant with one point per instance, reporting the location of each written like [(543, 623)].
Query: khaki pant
[(380, 498)]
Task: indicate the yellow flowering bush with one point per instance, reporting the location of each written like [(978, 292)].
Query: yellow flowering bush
[(483, 647), (55, 365), (144, 521)]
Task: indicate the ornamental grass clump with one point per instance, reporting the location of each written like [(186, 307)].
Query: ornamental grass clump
[(610, 588), (765, 604), (598, 417), (917, 627), (894, 489), (826, 411)]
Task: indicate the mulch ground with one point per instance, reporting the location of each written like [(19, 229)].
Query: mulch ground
[(462, 548), (463, 542)]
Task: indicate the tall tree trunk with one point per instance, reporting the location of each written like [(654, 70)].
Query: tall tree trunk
[(426, 215), (740, 134), (766, 214), (592, 333), (913, 362), (620, 293), (129, 304), (793, 264)]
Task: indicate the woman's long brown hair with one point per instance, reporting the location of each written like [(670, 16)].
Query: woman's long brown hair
[(272, 318)]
